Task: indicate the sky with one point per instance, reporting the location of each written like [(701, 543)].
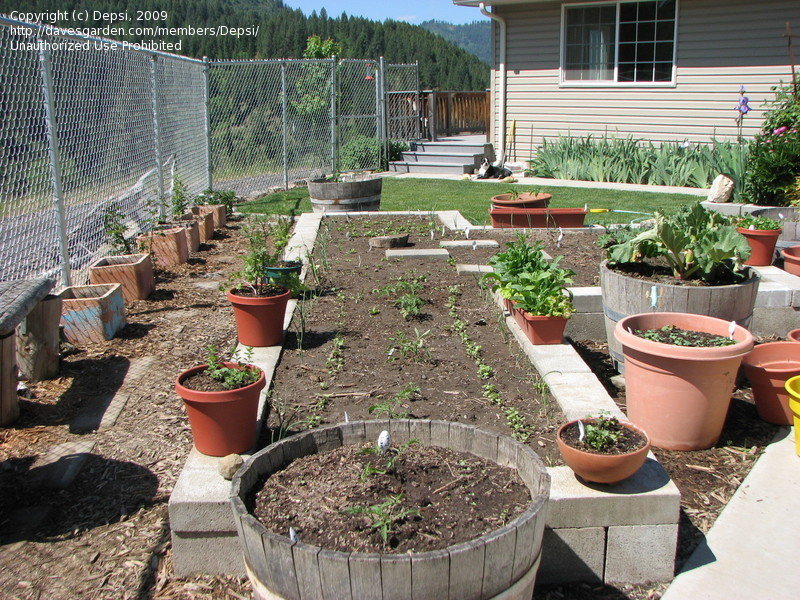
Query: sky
[(412, 11)]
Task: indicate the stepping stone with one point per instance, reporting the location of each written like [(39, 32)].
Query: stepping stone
[(419, 253), (207, 285), (470, 244), (388, 241), (474, 268), (61, 465)]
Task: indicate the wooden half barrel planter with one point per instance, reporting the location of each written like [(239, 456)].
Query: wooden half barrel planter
[(134, 272), (624, 296), (361, 193), (500, 564)]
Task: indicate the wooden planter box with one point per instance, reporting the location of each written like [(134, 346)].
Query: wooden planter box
[(624, 296), (505, 218), (205, 222), (92, 313), (134, 272), (9, 401), (192, 230), (38, 340), (500, 564), (362, 193), (168, 247), (218, 213)]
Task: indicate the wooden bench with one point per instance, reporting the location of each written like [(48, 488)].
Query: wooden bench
[(26, 303)]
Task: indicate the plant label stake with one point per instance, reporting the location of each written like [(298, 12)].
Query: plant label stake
[(560, 237), (384, 441), (731, 329), (466, 232), (474, 245), (581, 431), (293, 535), (346, 417), (443, 230), (630, 330), (654, 296), (347, 236), (780, 215), (752, 228), (433, 234)]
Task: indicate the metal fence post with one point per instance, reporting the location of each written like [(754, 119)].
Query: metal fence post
[(209, 164), (55, 162), (383, 113), (418, 104), (284, 118), (334, 119), (157, 134)]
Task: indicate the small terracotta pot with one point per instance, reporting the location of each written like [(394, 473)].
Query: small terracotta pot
[(791, 260), (768, 367), (525, 200), (794, 335), (762, 245), (222, 422), (602, 468), (680, 395), (542, 330), (259, 321)]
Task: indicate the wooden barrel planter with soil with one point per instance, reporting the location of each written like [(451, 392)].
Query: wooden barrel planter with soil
[(361, 193), (498, 564), (624, 295)]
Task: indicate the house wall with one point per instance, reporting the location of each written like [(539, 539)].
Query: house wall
[(720, 45)]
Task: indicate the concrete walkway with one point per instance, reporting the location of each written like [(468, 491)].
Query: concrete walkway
[(541, 181), (752, 549)]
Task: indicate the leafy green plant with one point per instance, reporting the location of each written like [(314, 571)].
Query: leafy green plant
[(602, 432), (114, 228), (759, 223), (232, 378), (259, 232), (670, 334), (180, 198), (335, 361), (384, 517), (695, 243), (410, 305), (393, 408), (415, 348), (226, 198)]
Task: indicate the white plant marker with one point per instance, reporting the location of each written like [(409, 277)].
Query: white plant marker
[(293, 535), (586, 207), (323, 211), (731, 329), (466, 232), (347, 236), (630, 330), (443, 230), (474, 244), (433, 234), (384, 441), (391, 351), (581, 431), (346, 417), (560, 237), (654, 296), (752, 228), (780, 215)]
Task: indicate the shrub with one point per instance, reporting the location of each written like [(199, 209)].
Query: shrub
[(363, 152)]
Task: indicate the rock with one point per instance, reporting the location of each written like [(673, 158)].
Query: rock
[(618, 381), (229, 465), (721, 190), (389, 241)]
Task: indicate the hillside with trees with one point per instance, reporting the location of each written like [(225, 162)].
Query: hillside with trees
[(283, 32), (475, 37)]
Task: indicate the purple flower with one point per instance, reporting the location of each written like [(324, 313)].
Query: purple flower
[(741, 89)]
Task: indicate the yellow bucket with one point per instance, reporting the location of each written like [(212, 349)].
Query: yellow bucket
[(793, 387)]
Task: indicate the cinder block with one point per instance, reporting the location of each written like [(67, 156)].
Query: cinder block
[(475, 269), (207, 554), (775, 320), (587, 299), (773, 295), (648, 497), (418, 253), (200, 499), (557, 358), (586, 326), (641, 553), (724, 208), (572, 554), (469, 244)]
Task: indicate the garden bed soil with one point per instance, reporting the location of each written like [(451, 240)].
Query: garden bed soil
[(675, 336), (453, 497), (707, 479), (350, 351), (657, 271), (265, 291), (626, 442)]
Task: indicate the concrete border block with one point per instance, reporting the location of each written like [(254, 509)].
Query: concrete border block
[(207, 554), (640, 553), (470, 269), (418, 253), (572, 554), (587, 299)]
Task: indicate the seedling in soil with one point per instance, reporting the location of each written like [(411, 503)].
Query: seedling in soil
[(541, 387), (373, 310), (670, 334), (384, 517), (410, 305), (335, 362), (602, 433), (392, 408), (516, 421), (485, 371), (415, 349), (231, 378)]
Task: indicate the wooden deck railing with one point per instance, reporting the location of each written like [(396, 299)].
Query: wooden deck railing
[(451, 113)]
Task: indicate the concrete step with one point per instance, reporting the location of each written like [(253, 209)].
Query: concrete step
[(437, 157), (431, 167), (450, 147)]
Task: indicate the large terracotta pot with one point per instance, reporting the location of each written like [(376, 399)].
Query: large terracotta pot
[(680, 395), (602, 468), (791, 260), (524, 200), (259, 321), (499, 565), (222, 422), (505, 218), (794, 335), (762, 245), (768, 367), (539, 329)]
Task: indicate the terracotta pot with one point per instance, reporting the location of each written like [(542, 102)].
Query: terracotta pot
[(680, 395), (526, 200), (793, 388), (222, 422), (542, 330), (168, 247), (134, 272), (762, 245), (537, 217), (602, 468), (768, 367), (791, 260), (794, 335), (259, 321)]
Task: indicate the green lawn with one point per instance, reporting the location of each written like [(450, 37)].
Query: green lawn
[(472, 199)]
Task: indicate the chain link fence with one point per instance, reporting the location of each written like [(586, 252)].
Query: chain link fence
[(87, 130)]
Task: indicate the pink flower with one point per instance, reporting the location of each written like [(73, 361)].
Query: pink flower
[(780, 130)]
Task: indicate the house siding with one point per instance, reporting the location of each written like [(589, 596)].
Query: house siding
[(720, 45)]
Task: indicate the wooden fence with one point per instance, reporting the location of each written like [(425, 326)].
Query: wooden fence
[(451, 113)]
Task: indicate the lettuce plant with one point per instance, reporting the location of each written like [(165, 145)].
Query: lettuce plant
[(695, 243), (760, 223)]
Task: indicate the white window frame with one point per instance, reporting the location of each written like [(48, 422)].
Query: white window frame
[(607, 83)]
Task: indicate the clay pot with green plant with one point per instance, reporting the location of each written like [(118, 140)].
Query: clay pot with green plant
[(259, 300), (221, 399), (762, 235), (537, 289), (680, 371), (768, 367), (603, 449)]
